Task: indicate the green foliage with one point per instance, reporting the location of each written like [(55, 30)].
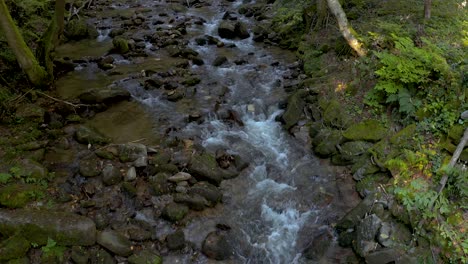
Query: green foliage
[(5, 177), (52, 251)]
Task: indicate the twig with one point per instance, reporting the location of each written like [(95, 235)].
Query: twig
[(62, 101)]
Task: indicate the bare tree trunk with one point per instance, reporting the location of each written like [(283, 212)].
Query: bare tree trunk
[(427, 9), (36, 74), (345, 29)]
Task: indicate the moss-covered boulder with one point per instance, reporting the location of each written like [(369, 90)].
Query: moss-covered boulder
[(368, 130), (350, 152), (120, 45), (78, 29), (89, 135), (294, 109), (104, 95), (14, 247), (40, 225), (145, 257), (32, 169), (334, 115), (18, 195), (175, 212), (326, 141), (205, 167), (370, 183), (31, 112)]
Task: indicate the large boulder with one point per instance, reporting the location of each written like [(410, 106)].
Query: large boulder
[(326, 142), (106, 95), (38, 226), (230, 29), (175, 212), (294, 109), (133, 152), (366, 233), (369, 130), (210, 192), (89, 135), (17, 195), (115, 242), (194, 201), (14, 247), (78, 29)]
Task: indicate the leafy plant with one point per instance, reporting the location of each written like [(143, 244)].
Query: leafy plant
[(5, 177), (52, 250)]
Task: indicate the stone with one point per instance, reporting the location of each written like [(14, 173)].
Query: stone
[(227, 29), (159, 183), (32, 169), (14, 247), (368, 130), (241, 30), (220, 60), (132, 151), (175, 212), (319, 246), (131, 174), (111, 175), (87, 135), (101, 256), (76, 29), (17, 195), (216, 246), (210, 192), (90, 167), (371, 183), (353, 217), (115, 242), (145, 256), (31, 112), (366, 232), (394, 234), (195, 202), (205, 167), (176, 240), (334, 115), (386, 255), (464, 115), (38, 226), (107, 95), (294, 109), (80, 255), (120, 45), (179, 177), (326, 141)]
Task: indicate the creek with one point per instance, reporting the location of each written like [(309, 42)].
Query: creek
[(286, 198)]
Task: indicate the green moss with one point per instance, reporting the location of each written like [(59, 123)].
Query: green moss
[(18, 195), (335, 116), (369, 130), (14, 247), (120, 45)]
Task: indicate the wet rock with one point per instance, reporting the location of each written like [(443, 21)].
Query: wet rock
[(227, 29), (216, 246), (38, 226), (195, 202), (319, 246), (88, 135), (387, 255), (191, 81), (371, 183), (205, 167), (63, 66), (133, 151), (369, 130), (106, 95), (353, 217), (131, 174), (220, 60), (175, 95), (294, 110), (366, 232), (90, 166), (14, 247), (104, 154), (145, 256), (176, 240), (174, 212), (17, 195), (180, 176), (80, 255), (160, 184), (115, 242), (106, 63), (241, 30), (154, 82), (31, 112), (137, 233), (210, 192), (111, 175)]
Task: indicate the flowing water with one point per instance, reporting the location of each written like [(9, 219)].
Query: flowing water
[(286, 196)]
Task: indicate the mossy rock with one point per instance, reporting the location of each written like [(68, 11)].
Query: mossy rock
[(120, 45), (350, 150), (160, 184), (14, 247), (456, 133), (370, 183), (89, 135), (145, 257), (18, 195), (314, 128), (76, 29), (175, 212), (335, 116), (324, 144), (404, 136), (368, 130), (191, 81), (294, 109)]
